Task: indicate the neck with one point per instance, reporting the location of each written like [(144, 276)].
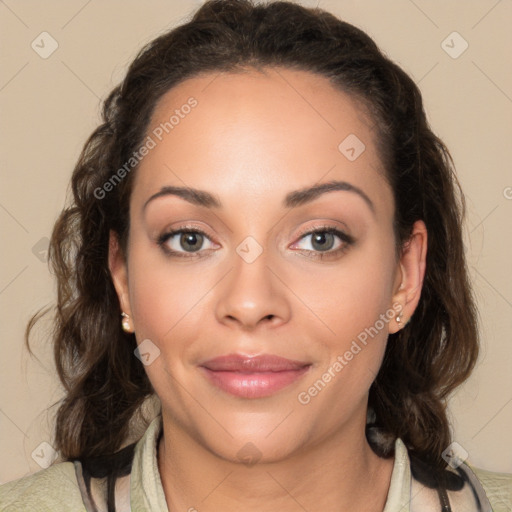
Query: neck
[(339, 473)]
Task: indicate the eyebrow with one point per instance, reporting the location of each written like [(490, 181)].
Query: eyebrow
[(306, 195), (291, 200)]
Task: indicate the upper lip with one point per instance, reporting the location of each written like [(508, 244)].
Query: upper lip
[(252, 364)]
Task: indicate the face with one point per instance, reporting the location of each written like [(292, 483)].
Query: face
[(266, 260)]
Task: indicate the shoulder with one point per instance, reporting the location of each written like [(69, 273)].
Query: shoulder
[(53, 489), (498, 487), (463, 486)]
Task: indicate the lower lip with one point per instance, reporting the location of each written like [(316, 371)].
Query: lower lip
[(253, 385)]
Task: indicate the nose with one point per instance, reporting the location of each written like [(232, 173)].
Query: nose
[(252, 294)]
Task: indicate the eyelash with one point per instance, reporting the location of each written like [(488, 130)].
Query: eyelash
[(320, 255), (347, 242)]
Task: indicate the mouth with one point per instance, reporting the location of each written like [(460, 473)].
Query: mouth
[(253, 376)]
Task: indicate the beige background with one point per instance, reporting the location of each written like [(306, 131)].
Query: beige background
[(49, 107)]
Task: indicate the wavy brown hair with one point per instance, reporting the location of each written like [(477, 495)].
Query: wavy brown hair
[(105, 384)]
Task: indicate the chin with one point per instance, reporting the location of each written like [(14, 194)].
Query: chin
[(258, 450)]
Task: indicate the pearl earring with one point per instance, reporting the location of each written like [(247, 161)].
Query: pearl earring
[(125, 322), (399, 317)]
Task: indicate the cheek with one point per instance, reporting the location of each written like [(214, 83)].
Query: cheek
[(354, 302), (162, 296), (169, 300), (352, 294), (168, 308)]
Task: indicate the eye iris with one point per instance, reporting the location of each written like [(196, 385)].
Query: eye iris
[(194, 240), (320, 238)]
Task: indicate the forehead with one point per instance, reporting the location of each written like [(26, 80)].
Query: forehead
[(261, 133)]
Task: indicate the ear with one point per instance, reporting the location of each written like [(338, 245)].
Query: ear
[(119, 272), (410, 276)]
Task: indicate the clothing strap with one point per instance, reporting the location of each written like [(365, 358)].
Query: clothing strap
[(458, 491), (104, 482)]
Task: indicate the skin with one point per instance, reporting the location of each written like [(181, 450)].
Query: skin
[(253, 138)]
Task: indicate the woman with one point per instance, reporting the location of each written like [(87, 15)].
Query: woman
[(266, 236)]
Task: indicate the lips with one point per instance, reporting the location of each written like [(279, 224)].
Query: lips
[(252, 364), (253, 376)]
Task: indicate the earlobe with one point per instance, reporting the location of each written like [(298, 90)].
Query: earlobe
[(119, 272), (412, 266)]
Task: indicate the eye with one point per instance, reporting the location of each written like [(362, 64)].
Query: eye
[(325, 241), (184, 240)]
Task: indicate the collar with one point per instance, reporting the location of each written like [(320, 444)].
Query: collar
[(146, 490)]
